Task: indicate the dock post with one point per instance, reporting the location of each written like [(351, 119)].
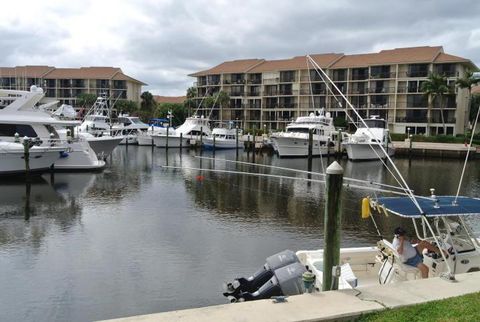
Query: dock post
[(253, 146), (339, 146), (26, 155), (410, 137), (310, 149), (248, 145), (236, 141), (328, 150), (166, 140), (332, 226), (181, 142), (201, 137), (214, 146)]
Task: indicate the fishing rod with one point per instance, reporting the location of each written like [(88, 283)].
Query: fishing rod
[(300, 171), (346, 185)]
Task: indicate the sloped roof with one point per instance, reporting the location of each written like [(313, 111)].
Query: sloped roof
[(169, 99), (407, 55), (25, 71), (49, 72), (234, 66)]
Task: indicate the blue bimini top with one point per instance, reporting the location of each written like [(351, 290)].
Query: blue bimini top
[(404, 207)]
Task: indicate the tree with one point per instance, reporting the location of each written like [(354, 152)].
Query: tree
[(124, 106), (147, 106), (436, 87), (190, 101), (223, 99), (86, 99), (179, 112), (467, 82)]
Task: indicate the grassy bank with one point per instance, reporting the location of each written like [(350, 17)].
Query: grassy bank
[(462, 308)]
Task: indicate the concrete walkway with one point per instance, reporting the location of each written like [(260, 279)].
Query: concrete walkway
[(325, 306)]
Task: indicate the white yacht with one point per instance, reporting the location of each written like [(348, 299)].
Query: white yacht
[(365, 143), (12, 157), (294, 142), (225, 138), (130, 127), (157, 126), (191, 131), (21, 116)]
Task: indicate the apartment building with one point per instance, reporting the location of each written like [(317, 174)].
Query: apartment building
[(65, 84), (269, 94)]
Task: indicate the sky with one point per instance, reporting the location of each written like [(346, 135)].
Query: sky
[(161, 42)]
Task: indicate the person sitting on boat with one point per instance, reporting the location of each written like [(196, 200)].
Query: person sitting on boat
[(410, 255)]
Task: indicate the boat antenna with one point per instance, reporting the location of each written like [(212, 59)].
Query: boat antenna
[(405, 185), (466, 157)]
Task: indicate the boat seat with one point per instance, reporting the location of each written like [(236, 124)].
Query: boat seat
[(402, 270)]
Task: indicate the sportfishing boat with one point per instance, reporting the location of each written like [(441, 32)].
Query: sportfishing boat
[(294, 141), (365, 143), (156, 126), (224, 138), (191, 131), (130, 127), (21, 118)]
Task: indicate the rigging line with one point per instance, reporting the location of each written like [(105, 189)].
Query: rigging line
[(355, 124), (466, 157), (415, 202), (346, 185), (201, 101), (313, 105), (213, 106), (300, 171)]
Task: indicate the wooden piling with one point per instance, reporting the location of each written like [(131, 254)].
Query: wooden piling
[(236, 141), (166, 139), (328, 150), (26, 155), (181, 141), (339, 145), (332, 225), (310, 149), (253, 147)]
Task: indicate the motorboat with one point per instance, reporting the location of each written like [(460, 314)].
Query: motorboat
[(367, 142), (130, 127), (441, 224), (294, 141), (40, 158), (193, 130), (20, 118), (224, 138), (156, 126)]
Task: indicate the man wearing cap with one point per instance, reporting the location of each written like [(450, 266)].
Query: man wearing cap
[(409, 254)]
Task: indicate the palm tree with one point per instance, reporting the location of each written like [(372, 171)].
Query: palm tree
[(222, 100), (467, 82), (147, 105), (189, 102), (434, 87)]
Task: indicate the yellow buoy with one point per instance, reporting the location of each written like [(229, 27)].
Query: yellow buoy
[(365, 208)]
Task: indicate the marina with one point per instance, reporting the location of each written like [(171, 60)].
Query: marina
[(125, 240)]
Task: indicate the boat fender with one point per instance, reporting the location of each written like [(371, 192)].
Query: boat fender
[(63, 154), (365, 208)]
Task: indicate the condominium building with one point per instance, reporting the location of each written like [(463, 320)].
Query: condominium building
[(269, 94), (65, 84)]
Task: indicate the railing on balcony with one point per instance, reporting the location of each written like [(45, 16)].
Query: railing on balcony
[(271, 92), (237, 93), (269, 81), (358, 90), (420, 119), (381, 90), (286, 106), (382, 75), (379, 105)]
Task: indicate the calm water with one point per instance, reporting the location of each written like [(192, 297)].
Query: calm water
[(137, 239)]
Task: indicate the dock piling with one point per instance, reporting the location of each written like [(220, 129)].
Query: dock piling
[(166, 139), (332, 226), (310, 149), (26, 155), (181, 142)]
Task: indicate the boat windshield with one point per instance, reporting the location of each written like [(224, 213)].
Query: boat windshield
[(136, 120), (298, 130), (374, 124)]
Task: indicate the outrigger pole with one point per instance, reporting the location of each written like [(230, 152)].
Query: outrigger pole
[(405, 185)]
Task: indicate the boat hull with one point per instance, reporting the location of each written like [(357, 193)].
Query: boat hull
[(364, 152), (40, 159), (145, 140), (103, 146), (297, 147), (222, 144), (79, 157), (160, 141)]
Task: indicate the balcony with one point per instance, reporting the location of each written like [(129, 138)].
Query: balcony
[(271, 93), (382, 75), (237, 93), (422, 73), (381, 90), (358, 90), (422, 119)]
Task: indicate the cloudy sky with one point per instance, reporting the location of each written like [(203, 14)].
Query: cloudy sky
[(160, 42)]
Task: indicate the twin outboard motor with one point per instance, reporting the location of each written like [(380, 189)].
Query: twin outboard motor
[(281, 275)]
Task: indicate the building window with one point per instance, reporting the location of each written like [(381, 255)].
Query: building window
[(380, 72), (417, 70), (417, 101)]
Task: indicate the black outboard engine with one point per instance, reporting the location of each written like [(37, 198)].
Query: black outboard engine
[(281, 275)]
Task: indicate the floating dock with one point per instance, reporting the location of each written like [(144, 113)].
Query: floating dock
[(326, 306)]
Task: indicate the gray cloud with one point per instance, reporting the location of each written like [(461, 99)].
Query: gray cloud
[(160, 42)]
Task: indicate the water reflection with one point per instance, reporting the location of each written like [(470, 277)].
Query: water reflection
[(124, 241)]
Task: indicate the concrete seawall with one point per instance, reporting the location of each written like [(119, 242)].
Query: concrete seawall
[(326, 306), (431, 149)]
